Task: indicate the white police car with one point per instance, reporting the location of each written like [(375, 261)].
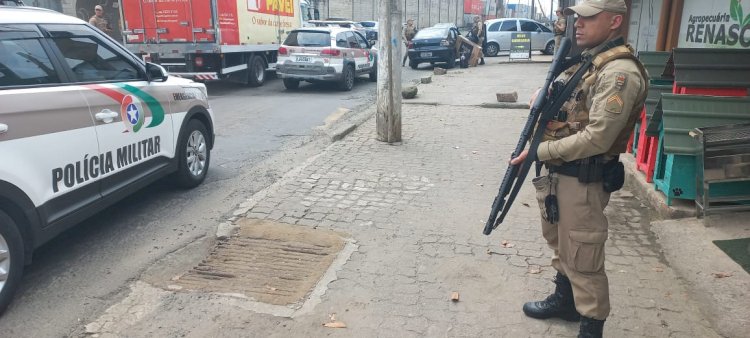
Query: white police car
[(83, 123), (326, 54)]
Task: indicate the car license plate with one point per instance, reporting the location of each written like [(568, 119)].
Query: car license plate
[(303, 59), (425, 54)]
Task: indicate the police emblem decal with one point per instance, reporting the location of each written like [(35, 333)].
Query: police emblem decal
[(132, 113)]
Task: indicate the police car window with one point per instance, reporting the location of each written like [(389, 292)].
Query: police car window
[(91, 61), (494, 27), (361, 41), (24, 62), (352, 40), (308, 39), (341, 41), (508, 26)]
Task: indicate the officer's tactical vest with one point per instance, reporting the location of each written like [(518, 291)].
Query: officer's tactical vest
[(576, 107), (411, 31)]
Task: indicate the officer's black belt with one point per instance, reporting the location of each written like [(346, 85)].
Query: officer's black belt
[(567, 168)]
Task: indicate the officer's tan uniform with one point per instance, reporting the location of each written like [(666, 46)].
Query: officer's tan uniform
[(407, 35), (100, 22), (601, 114)]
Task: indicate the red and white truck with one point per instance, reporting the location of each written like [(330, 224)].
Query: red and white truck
[(207, 40)]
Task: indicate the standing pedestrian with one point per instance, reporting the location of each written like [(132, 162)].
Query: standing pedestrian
[(580, 153), (559, 27), (407, 35), (478, 33), (98, 20)]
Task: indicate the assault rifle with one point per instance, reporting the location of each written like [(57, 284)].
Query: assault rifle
[(546, 105)]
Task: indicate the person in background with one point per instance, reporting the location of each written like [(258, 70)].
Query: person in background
[(99, 21), (559, 27), (478, 34), (407, 35)]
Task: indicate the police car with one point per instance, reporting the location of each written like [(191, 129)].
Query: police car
[(326, 54), (83, 123)]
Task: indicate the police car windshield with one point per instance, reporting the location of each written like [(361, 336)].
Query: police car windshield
[(308, 39), (432, 33)]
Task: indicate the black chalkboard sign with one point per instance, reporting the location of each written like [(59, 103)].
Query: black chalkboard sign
[(520, 45)]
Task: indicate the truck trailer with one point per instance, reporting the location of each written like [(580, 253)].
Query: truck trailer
[(209, 40)]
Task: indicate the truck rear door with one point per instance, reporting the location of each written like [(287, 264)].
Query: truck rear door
[(169, 21)]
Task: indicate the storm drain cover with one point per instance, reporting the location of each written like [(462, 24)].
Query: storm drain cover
[(271, 262)]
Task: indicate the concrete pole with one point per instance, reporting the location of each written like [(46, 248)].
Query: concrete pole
[(388, 117)]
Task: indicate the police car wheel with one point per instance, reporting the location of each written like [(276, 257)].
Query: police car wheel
[(347, 79), (291, 84), (194, 155), (373, 76), (11, 259)]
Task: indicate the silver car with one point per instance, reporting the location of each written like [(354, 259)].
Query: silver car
[(500, 30)]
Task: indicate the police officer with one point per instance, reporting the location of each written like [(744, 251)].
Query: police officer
[(559, 27), (98, 20), (478, 32), (408, 34), (580, 153)]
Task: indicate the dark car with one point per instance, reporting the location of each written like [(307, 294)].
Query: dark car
[(434, 44), (371, 27)]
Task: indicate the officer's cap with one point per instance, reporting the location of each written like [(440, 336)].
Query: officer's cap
[(594, 7)]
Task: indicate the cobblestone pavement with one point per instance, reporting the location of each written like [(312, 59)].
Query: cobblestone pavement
[(416, 211)]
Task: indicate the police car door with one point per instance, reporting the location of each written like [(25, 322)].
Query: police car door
[(365, 59), (352, 51), (133, 124), (47, 137)]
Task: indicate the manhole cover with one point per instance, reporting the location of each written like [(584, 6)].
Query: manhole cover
[(272, 262)]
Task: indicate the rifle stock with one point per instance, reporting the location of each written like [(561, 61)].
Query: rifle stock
[(515, 174)]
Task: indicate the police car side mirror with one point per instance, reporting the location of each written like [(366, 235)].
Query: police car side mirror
[(156, 72)]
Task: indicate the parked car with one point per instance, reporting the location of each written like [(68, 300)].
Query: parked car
[(445, 25), (499, 32), (326, 54), (433, 44), (84, 123)]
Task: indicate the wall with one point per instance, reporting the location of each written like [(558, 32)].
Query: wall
[(424, 12)]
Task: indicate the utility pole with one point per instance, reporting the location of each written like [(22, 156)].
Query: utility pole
[(388, 116)]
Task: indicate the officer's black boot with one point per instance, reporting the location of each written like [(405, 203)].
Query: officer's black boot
[(560, 304), (590, 328)]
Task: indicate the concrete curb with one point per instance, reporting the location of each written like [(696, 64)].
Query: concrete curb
[(637, 181), (340, 132), (526, 61), (505, 105)]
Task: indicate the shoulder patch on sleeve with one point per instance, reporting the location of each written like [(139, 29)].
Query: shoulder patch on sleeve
[(614, 104), (620, 80)]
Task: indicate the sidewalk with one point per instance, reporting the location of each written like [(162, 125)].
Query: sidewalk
[(412, 216)]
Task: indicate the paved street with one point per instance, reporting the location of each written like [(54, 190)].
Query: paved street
[(407, 220), (261, 134)]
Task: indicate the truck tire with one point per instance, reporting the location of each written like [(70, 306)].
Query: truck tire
[(256, 71), (11, 263)]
